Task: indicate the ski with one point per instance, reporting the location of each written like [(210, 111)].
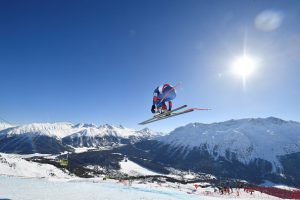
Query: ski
[(167, 116), (169, 112), (159, 116)]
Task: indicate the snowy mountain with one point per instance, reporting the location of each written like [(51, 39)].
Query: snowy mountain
[(246, 139), (35, 138), (4, 125), (251, 149), (256, 150), (108, 135), (58, 130), (15, 165), (55, 137), (113, 131)]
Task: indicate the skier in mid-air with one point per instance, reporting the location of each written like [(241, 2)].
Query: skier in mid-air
[(161, 95)]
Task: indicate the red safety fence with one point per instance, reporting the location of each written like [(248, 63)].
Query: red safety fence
[(277, 192)]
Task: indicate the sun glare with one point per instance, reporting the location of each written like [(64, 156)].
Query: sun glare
[(244, 66)]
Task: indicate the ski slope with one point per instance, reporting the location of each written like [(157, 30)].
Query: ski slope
[(21, 179), (133, 169), (27, 189), (15, 165)]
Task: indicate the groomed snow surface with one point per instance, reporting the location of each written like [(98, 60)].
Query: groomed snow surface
[(133, 169), (28, 189), (21, 179)]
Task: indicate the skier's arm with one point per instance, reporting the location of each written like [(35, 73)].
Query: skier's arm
[(153, 108), (155, 96), (154, 101)]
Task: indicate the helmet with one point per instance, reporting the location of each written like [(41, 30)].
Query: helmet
[(162, 87)]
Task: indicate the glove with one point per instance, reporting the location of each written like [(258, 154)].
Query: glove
[(153, 109)]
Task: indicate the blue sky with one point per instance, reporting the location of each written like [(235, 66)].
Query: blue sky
[(99, 61)]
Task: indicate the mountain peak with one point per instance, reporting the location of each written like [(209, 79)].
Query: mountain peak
[(4, 125), (108, 126), (84, 125), (146, 129), (59, 129), (275, 120)]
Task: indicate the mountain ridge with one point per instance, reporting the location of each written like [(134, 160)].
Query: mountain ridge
[(248, 138), (63, 129), (58, 137), (254, 149)]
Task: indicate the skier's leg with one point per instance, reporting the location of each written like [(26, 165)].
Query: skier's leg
[(164, 107), (159, 107), (170, 105)]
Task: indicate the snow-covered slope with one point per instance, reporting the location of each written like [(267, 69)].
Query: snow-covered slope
[(146, 132), (55, 137), (131, 168), (48, 129), (264, 138), (64, 129), (115, 131), (4, 125), (107, 135), (27, 189), (15, 165)]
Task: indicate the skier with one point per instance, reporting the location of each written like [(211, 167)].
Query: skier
[(161, 95)]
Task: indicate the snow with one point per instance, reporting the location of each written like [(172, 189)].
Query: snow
[(189, 176), (284, 187), (20, 179), (117, 131), (15, 165), (133, 169), (267, 183), (120, 131), (4, 126), (236, 193), (31, 155), (83, 149), (49, 129), (248, 138), (105, 130), (63, 129), (25, 189), (150, 133)]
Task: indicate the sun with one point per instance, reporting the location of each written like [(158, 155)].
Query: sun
[(244, 66)]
